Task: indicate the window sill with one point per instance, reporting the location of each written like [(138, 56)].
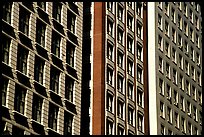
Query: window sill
[(36, 122), (53, 132), (18, 113)]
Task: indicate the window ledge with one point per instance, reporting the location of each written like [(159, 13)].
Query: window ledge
[(23, 115), (54, 93), (32, 120), (52, 130), (17, 71), (34, 81)]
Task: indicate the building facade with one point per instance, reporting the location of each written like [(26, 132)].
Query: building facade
[(175, 51), (41, 68)]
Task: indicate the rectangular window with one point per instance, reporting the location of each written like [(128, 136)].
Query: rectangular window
[(68, 118), (194, 113), (188, 108), (167, 49), (174, 55), (175, 97), (185, 26), (166, 28), (120, 36), (168, 91), (174, 76), (160, 64), (139, 30), (161, 86), (120, 59), (54, 79), (129, 21), (24, 20), (160, 43), (189, 128), (7, 6), (110, 6), (39, 68), (130, 44), (166, 8), (130, 67), (162, 130), (53, 115), (110, 76), (187, 67), (37, 108), (22, 57), (56, 39), (173, 14), (40, 33), (159, 21), (192, 72), (183, 124), (162, 109), (179, 41), (4, 90), (176, 118), (120, 109), (139, 97), (130, 90), (169, 114), (70, 54), (120, 13), (109, 127), (19, 102), (199, 97), (56, 13), (110, 28), (42, 5), (120, 83), (69, 88), (198, 78), (120, 130), (140, 122), (110, 51), (109, 102), (182, 103), (180, 61), (139, 52), (193, 93), (139, 8), (130, 115), (139, 74), (173, 35), (71, 22), (5, 49), (179, 22), (167, 70)]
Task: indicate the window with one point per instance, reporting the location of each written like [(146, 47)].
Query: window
[(39, 68), (195, 131), (199, 97), (120, 13), (186, 67), (194, 113), (130, 115), (187, 87), (193, 72), (109, 127), (198, 78), (129, 21), (109, 102), (174, 55), (173, 35), (120, 130), (120, 59), (186, 46), (71, 22), (196, 39), (166, 7), (130, 44), (191, 34), (173, 14), (159, 21), (56, 39), (54, 79), (5, 49), (180, 61), (191, 15), (110, 27), (167, 70), (179, 42), (189, 128), (167, 49), (139, 97), (183, 124), (139, 52), (182, 103), (139, 74), (19, 102), (110, 76), (175, 97), (24, 21), (185, 8), (160, 44), (197, 58), (170, 132), (68, 118), (130, 67), (120, 83), (17, 131), (37, 108), (57, 11), (185, 28), (197, 22), (22, 57), (53, 114), (193, 93), (130, 90), (42, 5), (109, 51), (140, 122), (139, 30), (4, 90), (166, 28), (179, 22), (139, 8), (40, 33), (174, 76), (162, 130), (7, 6), (176, 118), (161, 86), (70, 54), (168, 91), (110, 6), (69, 88), (130, 4), (169, 119), (120, 109), (161, 109), (120, 36), (188, 108)]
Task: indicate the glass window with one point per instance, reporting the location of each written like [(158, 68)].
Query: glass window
[(110, 6), (37, 108), (139, 52), (129, 21), (130, 44), (120, 13), (42, 5), (130, 90), (71, 22), (120, 83), (139, 30), (130, 67), (140, 122), (40, 33), (161, 86), (68, 118), (39, 68), (139, 8), (19, 102), (109, 102), (139, 74), (7, 6), (69, 88), (110, 76), (22, 57), (110, 28), (139, 97), (70, 54), (120, 59), (120, 109), (161, 109), (57, 11), (110, 51), (5, 49), (54, 79), (130, 115), (53, 115), (24, 20), (4, 90), (120, 36), (120, 130), (56, 39), (109, 127)]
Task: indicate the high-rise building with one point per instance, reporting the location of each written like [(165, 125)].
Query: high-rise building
[(41, 68), (175, 68)]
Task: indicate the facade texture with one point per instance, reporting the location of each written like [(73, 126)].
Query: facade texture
[(175, 97), (41, 68)]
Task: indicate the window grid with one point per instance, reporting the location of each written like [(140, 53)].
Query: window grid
[(24, 21), (7, 6), (19, 103), (53, 115), (37, 108)]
